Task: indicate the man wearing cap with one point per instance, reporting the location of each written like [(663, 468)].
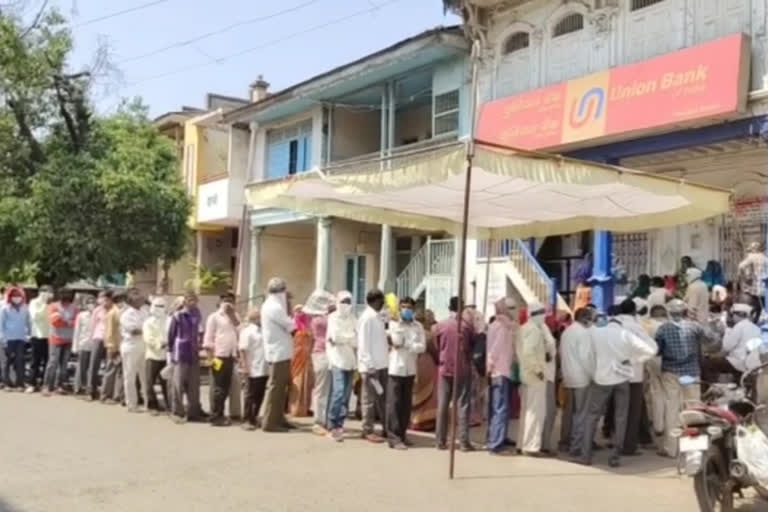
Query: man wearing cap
[(277, 331), (679, 341), (752, 273), (734, 350), (697, 296), (502, 338), (535, 353)]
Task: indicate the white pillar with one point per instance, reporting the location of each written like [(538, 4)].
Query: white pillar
[(254, 269), (323, 256), (385, 259)]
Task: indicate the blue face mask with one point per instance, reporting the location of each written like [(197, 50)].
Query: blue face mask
[(601, 321), (406, 315)]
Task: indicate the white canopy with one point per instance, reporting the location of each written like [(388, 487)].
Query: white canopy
[(514, 193)]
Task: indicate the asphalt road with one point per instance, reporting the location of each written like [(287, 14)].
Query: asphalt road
[(64, 455)]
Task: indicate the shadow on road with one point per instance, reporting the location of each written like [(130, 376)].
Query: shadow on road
[(7, 507)]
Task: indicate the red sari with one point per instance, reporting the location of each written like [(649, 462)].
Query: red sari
[(302, 381)]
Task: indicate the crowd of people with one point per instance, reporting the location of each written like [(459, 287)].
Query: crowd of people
[(620, 368)]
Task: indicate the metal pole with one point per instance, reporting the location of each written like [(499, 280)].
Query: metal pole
[(487, 276)]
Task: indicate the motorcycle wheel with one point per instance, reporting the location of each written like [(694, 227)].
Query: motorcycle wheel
[(710, 483)]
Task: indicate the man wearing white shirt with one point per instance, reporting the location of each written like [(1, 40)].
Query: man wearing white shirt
[(341, 343), (38, 341), (277, 330), (577, 360), (254, 365), (133, 350), (408, 341), (735, 343), (372, 363), (616, 349), (628, 318)]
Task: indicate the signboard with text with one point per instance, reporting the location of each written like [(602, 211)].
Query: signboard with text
[(703, 82)]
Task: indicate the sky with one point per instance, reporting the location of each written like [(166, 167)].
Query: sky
[(293, 40)]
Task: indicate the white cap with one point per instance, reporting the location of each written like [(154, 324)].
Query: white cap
[(536, 308), (276, 285), (693, 273), (742, 308), (640, 303)]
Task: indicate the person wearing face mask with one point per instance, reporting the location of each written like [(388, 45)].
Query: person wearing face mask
[(372, 363), (183, 336), (341, 343), (132, 350), (97, 334), (697, 295), (408, 341), (577, 360), (38, 341), (112, 385), (155, 331), (251, 345), (82, 344), (534, 354), (62, 316), (655, 389), (15, 325), (500, 358), (679, 341), (220, 343), (277, 330), (322, 372)]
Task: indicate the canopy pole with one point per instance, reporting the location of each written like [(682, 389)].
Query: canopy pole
[(487, 276), (459, 360)]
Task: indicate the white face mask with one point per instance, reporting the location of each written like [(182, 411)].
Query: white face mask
[(344, 309), (538, 320), (157, 310), (16, 300)]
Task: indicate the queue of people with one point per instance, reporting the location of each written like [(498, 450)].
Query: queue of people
[(623, 367)]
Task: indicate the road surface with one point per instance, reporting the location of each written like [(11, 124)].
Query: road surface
[(64, 455)]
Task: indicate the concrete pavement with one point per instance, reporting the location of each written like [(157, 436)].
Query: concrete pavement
[(65, 455)]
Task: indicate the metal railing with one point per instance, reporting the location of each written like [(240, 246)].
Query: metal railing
[(436, 257), (542, 286)]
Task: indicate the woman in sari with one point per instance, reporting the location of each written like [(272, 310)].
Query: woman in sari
[(424, 412), (300, 396)]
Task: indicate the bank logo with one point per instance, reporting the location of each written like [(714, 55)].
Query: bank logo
[(589, 108)]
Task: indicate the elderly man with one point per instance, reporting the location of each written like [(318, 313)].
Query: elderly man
[(277, 331), (734, 353), (679, 341), (220, 342), (577, 359), (697, 296), (502, 338)]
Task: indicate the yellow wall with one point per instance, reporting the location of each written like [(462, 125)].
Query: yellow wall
[(288, 251)]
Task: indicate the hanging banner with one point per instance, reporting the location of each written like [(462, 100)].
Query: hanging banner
[(704, 82)]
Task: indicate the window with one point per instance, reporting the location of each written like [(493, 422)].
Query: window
[(293, 158), (642, 4), (515, 42), (289, 150), (356, 268), (446, 113), (571, 23)]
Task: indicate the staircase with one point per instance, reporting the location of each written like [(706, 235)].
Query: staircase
[(530, 280), (431, 273)]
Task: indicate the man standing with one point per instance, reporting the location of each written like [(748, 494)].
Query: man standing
[(62, 316), (251, 345), (220, 343), (408, 341), (616, 350), (753, 271), (14, 332), (112, 387), (697, 295), (277, 329), (155, 331), (183, 343), (577, 359), (82, 345), (341, 344), (679, 343), (322, 372), (132, 350), (38, 311), (97, 335), (372, 363), (534, 354), (502, 339), (447, 336), (655, 390)]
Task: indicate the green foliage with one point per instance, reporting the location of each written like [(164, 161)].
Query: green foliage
[(80, 195), (210, 280)]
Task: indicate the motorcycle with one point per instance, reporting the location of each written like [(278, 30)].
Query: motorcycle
[(713, 440)]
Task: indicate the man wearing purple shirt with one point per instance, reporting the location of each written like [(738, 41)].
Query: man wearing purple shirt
[(183, 344), (447, 335)]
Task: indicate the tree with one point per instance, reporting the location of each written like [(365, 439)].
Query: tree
[(82, 195)]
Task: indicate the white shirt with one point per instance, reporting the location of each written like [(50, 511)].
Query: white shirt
[(408, 341), (613, 346), (276, 328), (576, 356), (132, 319), (735, 342), (38, 312), (657, 297), (341, 341), (252, 343), (372, 342), (81, 339), (632, 325)]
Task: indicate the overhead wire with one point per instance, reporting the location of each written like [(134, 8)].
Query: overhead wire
[(223, 30), (267, 44), (119, 13)]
